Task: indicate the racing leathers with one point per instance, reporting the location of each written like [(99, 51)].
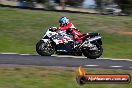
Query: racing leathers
[(70, 28)]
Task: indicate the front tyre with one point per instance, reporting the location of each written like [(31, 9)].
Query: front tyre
[(93, 54), (45, 48)]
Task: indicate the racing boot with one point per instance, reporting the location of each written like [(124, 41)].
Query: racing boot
[(78, 43)]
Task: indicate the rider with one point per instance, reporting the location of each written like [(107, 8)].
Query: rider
[(65, 24)]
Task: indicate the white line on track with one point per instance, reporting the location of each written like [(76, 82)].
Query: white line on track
[(8, 53), (25, 54), (116, 66), (69, 56), (91, 65), (74, 56), (116, 59)]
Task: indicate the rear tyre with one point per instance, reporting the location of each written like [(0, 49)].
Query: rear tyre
[(45, 49), (93, 54)]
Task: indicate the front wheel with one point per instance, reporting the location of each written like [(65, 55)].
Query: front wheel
[(95, 53), (45, 48)]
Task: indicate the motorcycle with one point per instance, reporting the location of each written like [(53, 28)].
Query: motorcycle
[(60, 42)]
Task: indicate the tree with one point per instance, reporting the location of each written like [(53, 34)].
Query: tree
[(74, 3), (99, 4), (71, 2), (125, 5)]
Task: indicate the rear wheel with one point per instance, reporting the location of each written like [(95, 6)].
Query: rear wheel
[(93, 53), (45, 49)]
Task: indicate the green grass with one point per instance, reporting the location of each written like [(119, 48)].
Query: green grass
[(21, 29), (50, 77)]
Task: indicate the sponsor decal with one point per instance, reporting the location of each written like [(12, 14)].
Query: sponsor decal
[(83, 78)]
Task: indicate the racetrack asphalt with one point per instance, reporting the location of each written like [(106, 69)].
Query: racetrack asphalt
[(36, 60)]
